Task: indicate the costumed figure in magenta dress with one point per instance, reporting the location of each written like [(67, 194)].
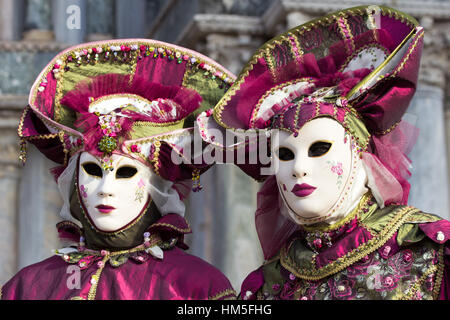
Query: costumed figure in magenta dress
[(116, 115), (332, 215)]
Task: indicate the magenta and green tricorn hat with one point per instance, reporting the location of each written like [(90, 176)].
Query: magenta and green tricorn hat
[(135, 97), (358, 66)]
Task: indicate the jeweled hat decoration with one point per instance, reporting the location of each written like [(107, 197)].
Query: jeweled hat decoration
[(132, 96)]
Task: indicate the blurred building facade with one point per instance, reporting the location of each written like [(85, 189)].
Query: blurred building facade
[(32, 32)]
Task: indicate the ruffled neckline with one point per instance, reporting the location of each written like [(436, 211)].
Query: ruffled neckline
[(320, 236), (168, 227), (351, 240)]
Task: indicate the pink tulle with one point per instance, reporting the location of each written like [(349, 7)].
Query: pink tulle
[(383, 184), (391, 151), (272, 227), (183, 188), (56, 172)]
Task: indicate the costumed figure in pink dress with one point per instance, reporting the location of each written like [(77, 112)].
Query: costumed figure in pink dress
[(332, 215), (116, 115)]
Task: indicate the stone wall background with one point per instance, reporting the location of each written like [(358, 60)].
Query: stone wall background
[(33, 31)]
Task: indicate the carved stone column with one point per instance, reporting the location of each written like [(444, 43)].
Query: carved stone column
[(39, 206), (12, 13), (430, 190), (9, 180), (100, 19), (30, 201), (130, 19), (38, 21)]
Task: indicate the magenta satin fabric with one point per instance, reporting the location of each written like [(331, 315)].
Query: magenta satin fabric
[(353, 236), (157, 70), (179, 276), (44, 99)]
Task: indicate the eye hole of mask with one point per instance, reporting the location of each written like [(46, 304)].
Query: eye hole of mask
[(285, 154), (126, 172), (92, 169), (318, 149)]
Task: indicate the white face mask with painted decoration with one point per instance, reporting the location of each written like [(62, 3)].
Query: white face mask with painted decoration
[(115, 197), (319, 173)]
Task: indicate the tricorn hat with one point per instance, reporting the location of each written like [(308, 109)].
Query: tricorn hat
[(132, 96)]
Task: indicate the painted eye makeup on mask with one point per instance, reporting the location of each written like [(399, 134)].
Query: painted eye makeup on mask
[(285, 154), (319, 148), (92, 169), (125, 172)]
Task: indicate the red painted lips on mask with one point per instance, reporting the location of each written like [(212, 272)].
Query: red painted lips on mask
[(303, 190), (104, 208)]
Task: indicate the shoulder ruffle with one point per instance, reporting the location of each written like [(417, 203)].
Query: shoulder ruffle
[(172, 226), (68, 230), (252, 284), (422, 225)]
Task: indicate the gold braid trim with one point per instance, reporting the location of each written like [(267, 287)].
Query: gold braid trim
[(344, 21), (355, 213), (270, 62), (65, 150), (155, 159), (378, 69), (394, 74), (43, 136), (188, 229), (157, 124), (69, 224), (1, 292), (39, 136), (154, 240), (413, 289), (439, 273), (299, 52), (406, 58), (106, 47), (96, 278), (272, 91), (317, 109), (352, 256), (162, 137), (60, 134), (224, 293), (133, 65), (59, 92), (218, 109), (22, 119)]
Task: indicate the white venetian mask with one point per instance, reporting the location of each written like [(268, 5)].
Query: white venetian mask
[(113, 198), (313, 169)]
